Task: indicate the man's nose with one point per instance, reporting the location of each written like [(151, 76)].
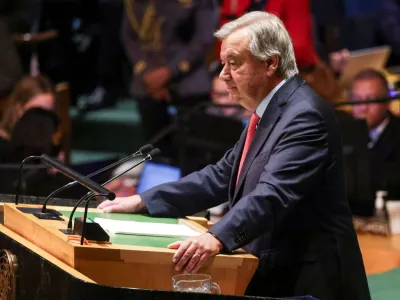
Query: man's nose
[(225, 75)]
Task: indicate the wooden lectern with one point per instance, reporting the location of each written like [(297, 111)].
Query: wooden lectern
[(127, 261)]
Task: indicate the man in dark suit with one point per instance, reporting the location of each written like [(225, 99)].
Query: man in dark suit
[(284, 178), (384, 131)]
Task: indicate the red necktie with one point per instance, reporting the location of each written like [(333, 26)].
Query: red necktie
[(251, 130)]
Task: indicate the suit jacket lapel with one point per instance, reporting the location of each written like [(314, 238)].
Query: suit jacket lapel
[(267, 123), (270, 117)]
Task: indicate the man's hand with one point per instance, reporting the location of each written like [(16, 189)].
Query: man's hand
[(339, 59), (194, 252), (133, 204), (156, 79)]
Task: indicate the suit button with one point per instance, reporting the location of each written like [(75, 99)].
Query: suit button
[(239, 237), (236, 238)]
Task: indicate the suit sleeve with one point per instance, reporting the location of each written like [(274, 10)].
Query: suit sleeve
[(292, 170), (205, 20), (193, 193)]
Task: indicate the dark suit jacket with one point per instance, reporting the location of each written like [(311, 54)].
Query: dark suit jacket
[(289, 208), (385, 160)]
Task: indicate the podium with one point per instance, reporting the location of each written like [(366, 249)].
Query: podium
[(129, 265)]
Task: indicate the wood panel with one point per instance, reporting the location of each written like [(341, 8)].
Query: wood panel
[(21, 240)]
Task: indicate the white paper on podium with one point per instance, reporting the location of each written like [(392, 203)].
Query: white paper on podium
[(146, 228)]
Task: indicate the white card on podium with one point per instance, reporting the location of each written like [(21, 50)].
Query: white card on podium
[(146, 228)]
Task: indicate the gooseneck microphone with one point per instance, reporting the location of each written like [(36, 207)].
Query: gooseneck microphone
[(88, 196), (142, 151), (20, 175), (87, 182)]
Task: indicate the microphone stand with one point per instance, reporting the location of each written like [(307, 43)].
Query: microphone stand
[(72, 183), (149, 156), (88, 183), (85, 215), (20, 176)]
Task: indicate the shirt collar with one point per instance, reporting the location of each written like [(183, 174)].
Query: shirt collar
[(264, 104), (375, 133)]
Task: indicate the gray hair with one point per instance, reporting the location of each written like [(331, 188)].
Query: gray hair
[(268, 37)]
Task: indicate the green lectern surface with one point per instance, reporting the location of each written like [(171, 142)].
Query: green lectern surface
[(128, 239)]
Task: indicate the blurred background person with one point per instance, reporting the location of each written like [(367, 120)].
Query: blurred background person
[(233, 9), (219, 95), (384, 130), (30, 92), (297, 18), (166, 43), (37, 132)]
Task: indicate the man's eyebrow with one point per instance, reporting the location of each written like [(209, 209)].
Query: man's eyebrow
[(232, 55)]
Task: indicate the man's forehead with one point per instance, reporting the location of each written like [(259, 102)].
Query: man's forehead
[(235, 43)]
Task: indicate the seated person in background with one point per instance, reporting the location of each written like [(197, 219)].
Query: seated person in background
[(30, 92), (220, 96), (37, 132), (384, 130)]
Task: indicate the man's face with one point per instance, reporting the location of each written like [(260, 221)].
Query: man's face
[(367, 89), (245, 76)]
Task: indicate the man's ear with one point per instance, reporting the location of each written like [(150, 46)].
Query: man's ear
[(272, 64)]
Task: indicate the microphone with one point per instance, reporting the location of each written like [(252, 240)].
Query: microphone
[(143, 150), (87, 182), (390, 98), (88, 196)]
